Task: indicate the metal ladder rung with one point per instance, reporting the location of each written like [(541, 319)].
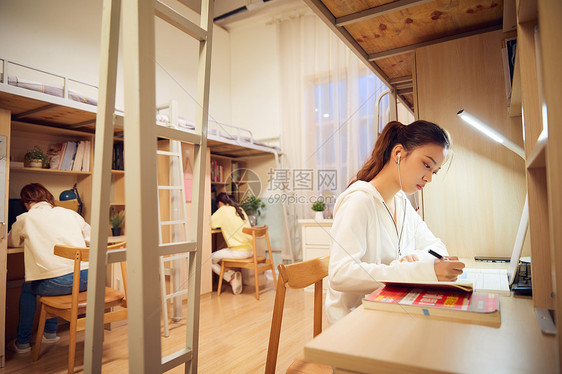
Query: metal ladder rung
[(175, 134), (177, 358), (173, 248), (167, 153), (175, 19), (179, 293), (170, 187), (172, 222), (178, 256)]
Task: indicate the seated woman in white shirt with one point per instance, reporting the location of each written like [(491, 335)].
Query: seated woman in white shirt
[(231, 219), (377, 234), (46, 274)]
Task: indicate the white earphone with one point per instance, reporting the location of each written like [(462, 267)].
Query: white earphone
[(398, 158)]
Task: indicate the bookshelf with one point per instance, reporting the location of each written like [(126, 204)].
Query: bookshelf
[(228, 174), (23, 137)]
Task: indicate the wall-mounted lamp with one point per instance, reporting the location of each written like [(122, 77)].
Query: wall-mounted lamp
[(524, 221), (489, 132)]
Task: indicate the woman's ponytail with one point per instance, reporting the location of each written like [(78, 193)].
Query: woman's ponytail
[(225, 198), (414, 135), (381, 153)]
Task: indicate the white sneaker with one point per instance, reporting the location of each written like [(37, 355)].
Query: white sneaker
[(236, 283), (46, 340), (20, 348)]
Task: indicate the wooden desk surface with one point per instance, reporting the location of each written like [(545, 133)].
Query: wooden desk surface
[(110, 240), (371, 341)]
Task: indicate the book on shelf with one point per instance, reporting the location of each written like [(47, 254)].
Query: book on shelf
[(449, 302), (68, 156), (216, 172), (55, 153), (79, 157), (86, 159), (118, 156)]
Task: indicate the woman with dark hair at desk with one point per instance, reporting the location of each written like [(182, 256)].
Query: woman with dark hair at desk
[(231, 219), (46, 274), (377, 235)]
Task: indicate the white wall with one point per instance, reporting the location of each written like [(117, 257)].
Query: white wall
[(63, 36), (255, 85)]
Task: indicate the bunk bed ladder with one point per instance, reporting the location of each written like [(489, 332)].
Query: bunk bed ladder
[(177, 217), (141, 189)]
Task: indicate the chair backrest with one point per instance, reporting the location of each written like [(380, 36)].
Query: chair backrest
[(79, 254), (299, 275), (258, 232)]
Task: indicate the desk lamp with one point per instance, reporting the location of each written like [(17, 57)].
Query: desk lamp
[(524, 222)]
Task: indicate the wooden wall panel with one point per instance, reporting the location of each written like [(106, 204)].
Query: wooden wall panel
[(475, 205)]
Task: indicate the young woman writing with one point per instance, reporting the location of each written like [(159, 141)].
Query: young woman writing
[(46, 274), (231, 219), (376, 234)]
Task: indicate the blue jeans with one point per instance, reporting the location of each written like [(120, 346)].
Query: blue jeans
[(44, 287)]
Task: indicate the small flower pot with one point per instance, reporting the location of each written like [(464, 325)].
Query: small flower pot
[(116, 231), (319, 216), (35, 163)]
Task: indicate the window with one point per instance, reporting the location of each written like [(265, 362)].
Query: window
[(343, 123)]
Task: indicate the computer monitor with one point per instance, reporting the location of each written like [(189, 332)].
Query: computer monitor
[(15, 208)]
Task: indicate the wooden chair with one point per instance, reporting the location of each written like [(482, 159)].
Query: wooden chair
[(299, 275), (257, 263), (69, 307)]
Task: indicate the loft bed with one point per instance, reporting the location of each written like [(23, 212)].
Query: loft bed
[(384, 34), (223, 139), (35, 96)]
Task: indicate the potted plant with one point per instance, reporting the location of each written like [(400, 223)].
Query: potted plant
[(251, 206), (35, 158), (318, 206), (116, 220)]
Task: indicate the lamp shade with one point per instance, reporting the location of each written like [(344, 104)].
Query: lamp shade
[(67, 195)]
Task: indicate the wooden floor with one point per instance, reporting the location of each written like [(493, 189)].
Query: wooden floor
[(234, 333)]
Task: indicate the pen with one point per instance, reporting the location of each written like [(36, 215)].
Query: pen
[(432, 252)]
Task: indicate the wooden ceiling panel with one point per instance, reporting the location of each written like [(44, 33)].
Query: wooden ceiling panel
[(19, 104), (61, 115), (343, 8), (397, 66), (424, 22)]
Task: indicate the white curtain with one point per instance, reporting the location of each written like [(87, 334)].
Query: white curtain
[(328, 124)]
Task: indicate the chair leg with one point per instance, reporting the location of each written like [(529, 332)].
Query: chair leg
[(40, 328), (163, 296), (256, 281), (274, 276), (220, 279), (72, 345)]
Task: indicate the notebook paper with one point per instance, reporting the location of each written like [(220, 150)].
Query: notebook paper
[(487, 280)]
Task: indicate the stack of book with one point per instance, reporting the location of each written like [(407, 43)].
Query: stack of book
[(216, 172), (118, 160), (71, 156), (442, 300)]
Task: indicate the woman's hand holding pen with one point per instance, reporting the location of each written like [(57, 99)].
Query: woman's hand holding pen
[(448, 269)]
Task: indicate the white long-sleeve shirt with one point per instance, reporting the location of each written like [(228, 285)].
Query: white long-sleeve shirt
[(39, 230), (364, 247)]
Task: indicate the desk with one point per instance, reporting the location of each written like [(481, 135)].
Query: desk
[(217, 242), (369, 341)]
